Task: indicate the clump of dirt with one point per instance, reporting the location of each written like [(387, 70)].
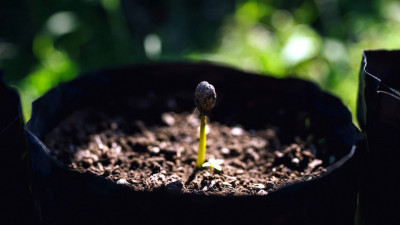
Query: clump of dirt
[(154, 157)]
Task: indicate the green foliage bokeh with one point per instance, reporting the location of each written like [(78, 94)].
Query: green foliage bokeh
[(45, 42)]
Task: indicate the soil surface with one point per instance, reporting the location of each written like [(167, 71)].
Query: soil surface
[(153, 157)]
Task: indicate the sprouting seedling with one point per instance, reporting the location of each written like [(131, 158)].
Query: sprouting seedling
[(214, 164), (204, 99)]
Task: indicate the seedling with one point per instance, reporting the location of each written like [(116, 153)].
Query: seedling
[(214, 164), (204, 99)]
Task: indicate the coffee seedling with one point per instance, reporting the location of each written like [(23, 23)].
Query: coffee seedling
[(204, 99)]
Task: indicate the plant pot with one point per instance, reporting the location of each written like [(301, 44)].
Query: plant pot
[(65, 196), (16, 199), (379, 118)]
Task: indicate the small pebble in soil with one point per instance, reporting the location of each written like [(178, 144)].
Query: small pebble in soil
[(259, 186), (296, 161), (98, 141), (225, 151), (168, 119), (154, 150), (314, 163), (262, 192), (122, 181), (237, 131)]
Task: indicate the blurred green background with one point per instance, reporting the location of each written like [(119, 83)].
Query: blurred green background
[(45, 42)]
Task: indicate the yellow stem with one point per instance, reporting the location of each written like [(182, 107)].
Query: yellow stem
[(201, 153)]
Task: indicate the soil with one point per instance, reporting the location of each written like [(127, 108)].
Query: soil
[(151, 157)]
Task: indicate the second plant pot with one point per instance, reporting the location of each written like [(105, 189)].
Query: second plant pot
[(299, 108), (378, 114)]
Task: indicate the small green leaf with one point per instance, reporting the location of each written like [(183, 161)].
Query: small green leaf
[(214, 164), (218, 167), (206, 164)]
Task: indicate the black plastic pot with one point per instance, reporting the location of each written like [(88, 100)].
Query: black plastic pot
[(379, 117), (64, 196), (16, 204)]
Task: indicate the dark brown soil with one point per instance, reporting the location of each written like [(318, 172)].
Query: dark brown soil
[(152, 157)]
